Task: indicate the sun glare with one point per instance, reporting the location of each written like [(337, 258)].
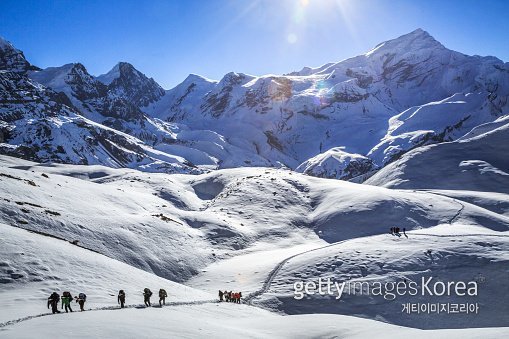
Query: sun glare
[(306, 14)]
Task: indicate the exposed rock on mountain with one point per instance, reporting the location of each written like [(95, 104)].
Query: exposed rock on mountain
[(405, 93)]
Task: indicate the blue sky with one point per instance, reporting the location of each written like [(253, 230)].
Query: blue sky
[(167, 40)]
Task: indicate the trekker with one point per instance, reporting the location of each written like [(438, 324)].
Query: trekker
[(404, 232), (121, 298), (239, 296), (392, 230), (230, 296), (220, 295), (146, 296), (53, 300), (226, 297), (162, 296), (66, 301), (80, 299)]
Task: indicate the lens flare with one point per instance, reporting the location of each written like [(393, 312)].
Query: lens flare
[(292, 38)]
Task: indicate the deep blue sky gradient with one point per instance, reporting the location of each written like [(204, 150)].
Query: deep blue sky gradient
[(167, 40)]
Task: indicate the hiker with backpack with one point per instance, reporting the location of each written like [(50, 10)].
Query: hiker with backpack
[(66, 301), (147, 293), (53, 300), (221, 295), (80, 299), (238, 297), (162, 296), (121, 298)]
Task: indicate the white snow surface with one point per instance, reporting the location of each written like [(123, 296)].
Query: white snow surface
[(255, 230), (476, 163), (336, 164)]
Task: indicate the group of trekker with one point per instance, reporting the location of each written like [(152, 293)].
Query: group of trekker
[(147, 293), (67, 298), (233, 297), (395, 231)]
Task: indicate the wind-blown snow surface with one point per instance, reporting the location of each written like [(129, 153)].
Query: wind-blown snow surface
[(226, 320), (33, 266), (477, 163), (232, 229), (455, 254)]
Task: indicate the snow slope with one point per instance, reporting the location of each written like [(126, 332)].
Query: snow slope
[(218, 321), (34, 265), (457, 253), (406, 92), (174, 226), (476, 163), (336, 164), (235, 229)]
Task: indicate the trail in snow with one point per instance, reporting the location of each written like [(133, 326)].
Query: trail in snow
[(456, 216), (266, 285), (268, 281), (107, 308), (249, 299), (277, 269)]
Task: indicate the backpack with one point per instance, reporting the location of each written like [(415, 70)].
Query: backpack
[(54, 297), (162, 293), (148, 292), (82, 296)]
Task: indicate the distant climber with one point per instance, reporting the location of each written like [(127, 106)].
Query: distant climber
[(221, 295), (80, 299), (146, 296), (225, 295), (53, 300), (121, 298), (66, 301), (404, 232), (162, 297), (239, 295)]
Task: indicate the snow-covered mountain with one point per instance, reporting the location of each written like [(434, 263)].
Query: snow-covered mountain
[(13, 59), (335, 163), (404, 93), (429, 125)]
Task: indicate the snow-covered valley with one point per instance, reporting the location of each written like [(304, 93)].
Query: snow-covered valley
[(259, 184), (257, 230)]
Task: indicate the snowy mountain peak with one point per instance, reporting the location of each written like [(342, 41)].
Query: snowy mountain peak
[(121, 69), (411, 42), (113, 74), (196, 78), (12, 59), (233, 78), (125, 81), (4, 44)]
